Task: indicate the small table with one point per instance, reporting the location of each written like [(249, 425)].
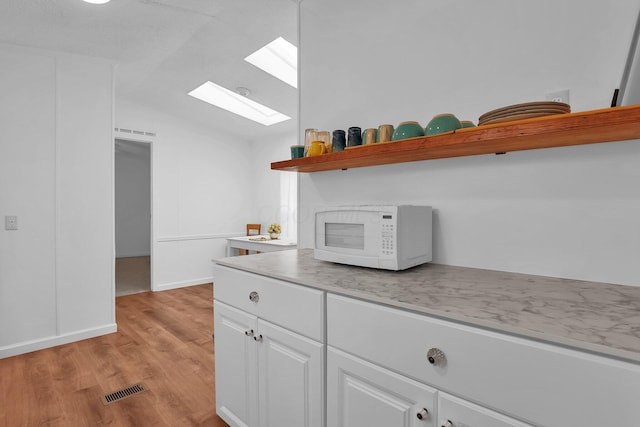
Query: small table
[(249, 243)]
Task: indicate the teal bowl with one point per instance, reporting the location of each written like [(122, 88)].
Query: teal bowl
[(442, 123), (407, 130)]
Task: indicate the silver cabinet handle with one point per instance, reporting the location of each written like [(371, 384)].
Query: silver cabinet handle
[(258, 338), (254, 297), (435, 356), (446, 423), (249, 333), (422, 414)]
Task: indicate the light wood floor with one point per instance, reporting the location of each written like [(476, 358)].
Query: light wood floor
[(163, 340), (133, 275)]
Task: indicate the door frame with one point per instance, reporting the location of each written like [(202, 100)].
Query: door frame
[(151, 140)]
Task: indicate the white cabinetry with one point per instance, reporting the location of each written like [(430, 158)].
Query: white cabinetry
[(290, 377), (267, 375), (460, 413), (271, 338), (507, 378), (362, 394), (236, 361)]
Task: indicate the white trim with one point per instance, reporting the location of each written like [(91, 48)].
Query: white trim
[(183, 284), (198, 237), (112, 267), (42, 343), (57, 191)]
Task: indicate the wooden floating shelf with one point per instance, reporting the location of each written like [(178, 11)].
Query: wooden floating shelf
[(562, 130)]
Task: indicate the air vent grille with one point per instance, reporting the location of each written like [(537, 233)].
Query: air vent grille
[(135, 132), (123, 393)]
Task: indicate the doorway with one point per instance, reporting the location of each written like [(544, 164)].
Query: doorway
[(132, 216)]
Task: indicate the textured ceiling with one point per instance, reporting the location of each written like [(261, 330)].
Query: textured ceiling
[(165, 48)]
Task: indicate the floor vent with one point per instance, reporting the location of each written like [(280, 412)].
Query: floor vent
[(123, 394)]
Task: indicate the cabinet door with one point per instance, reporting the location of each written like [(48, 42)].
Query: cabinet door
[(361, 394), (236, 365), (291, 377), (454, 412)]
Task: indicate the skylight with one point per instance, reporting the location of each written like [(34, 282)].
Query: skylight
[(279, 58), (238, 104)]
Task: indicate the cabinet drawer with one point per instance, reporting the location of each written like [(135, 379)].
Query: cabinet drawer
[(294, 307), (536, 382)]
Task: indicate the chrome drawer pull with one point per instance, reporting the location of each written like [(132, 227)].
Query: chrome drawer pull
[(249, 333), (254, 297), (446, 423), (258, 338), (422, 414)]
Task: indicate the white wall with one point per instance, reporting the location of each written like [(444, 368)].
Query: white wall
[(132, 199), (202, 194), (56, 162), (271, 187), (567, 212)]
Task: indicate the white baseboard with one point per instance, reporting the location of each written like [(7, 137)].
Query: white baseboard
[(39, 344), (183, 284), (132, 254)]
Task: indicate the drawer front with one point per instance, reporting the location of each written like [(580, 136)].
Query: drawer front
[(538, 383), (294, 307)]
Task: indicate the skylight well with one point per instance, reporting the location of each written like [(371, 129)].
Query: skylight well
[(278, 58), (231, 101)]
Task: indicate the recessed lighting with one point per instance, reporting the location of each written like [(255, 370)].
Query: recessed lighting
[(279, 58), (237, 104), (97, 1)]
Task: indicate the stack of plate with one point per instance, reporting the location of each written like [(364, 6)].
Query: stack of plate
[(523, 111)]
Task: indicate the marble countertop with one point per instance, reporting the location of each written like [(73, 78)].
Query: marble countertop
[(597, 317)]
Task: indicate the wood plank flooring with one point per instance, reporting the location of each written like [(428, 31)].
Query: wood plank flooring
[(163, 340), (133, 275)]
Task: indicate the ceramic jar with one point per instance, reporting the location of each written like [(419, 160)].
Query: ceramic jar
[(317, 148)]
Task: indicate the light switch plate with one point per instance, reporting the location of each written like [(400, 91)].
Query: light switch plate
[(10, 222)]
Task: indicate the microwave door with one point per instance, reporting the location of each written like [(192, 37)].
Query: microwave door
[(356, 238), (344, 236)]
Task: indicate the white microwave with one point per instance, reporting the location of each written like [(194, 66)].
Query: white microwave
[(392, 237)]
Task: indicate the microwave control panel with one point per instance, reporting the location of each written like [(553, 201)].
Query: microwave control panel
[(388, 233)]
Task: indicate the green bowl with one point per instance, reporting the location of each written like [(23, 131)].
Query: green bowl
[(407, 130), (442, 123), (467, 124)]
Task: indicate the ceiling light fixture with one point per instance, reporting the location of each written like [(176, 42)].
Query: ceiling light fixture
[(97, 1), (278, 58), (238, 104)]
